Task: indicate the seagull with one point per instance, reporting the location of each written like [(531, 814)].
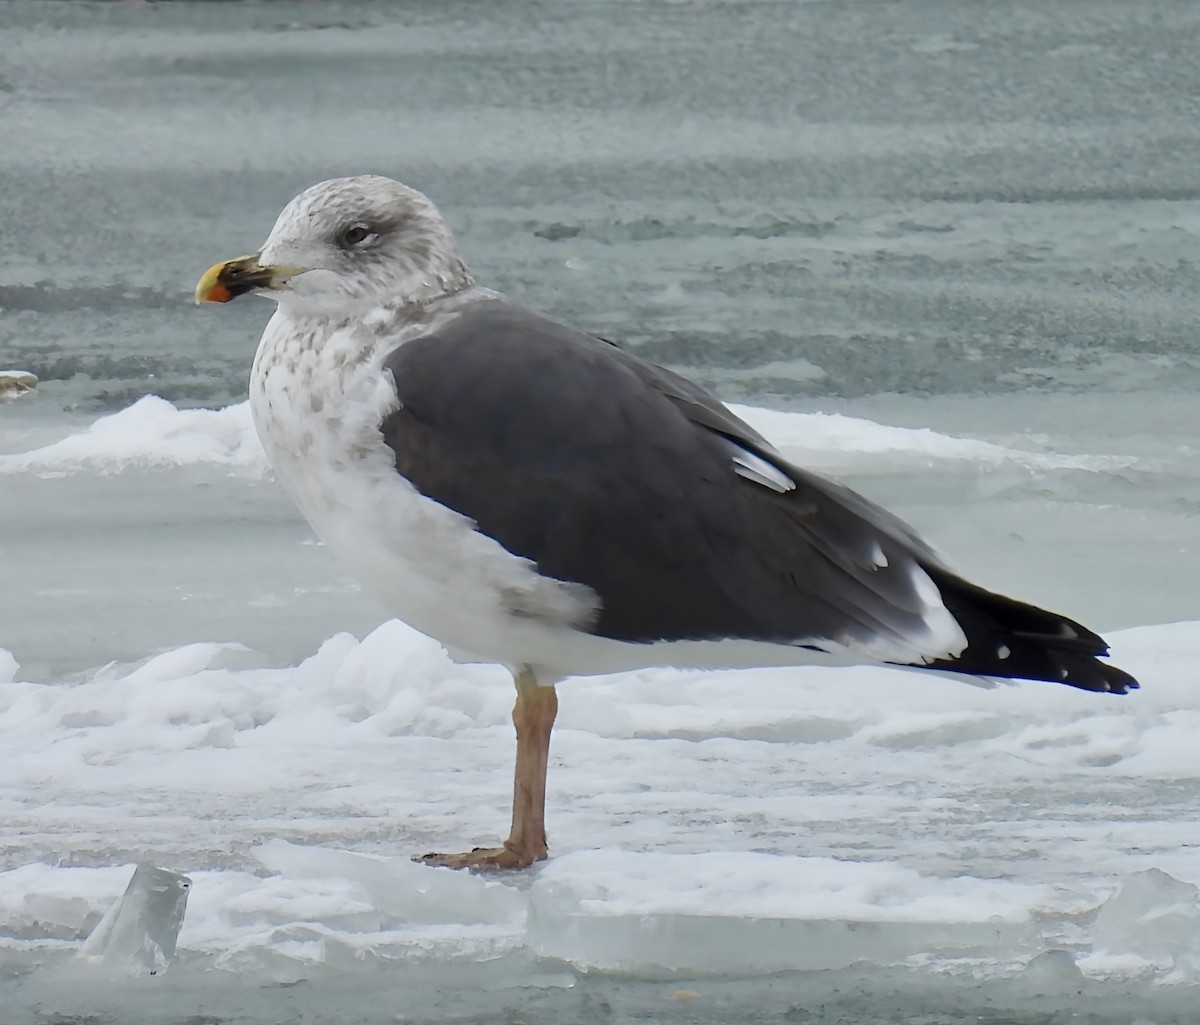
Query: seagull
[(536, 496)]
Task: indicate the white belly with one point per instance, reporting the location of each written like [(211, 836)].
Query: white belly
[(318, 412), (319, 418)]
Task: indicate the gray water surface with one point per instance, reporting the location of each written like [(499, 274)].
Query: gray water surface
[(793, 199)]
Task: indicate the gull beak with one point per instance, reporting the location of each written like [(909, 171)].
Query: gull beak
[(225, 281)]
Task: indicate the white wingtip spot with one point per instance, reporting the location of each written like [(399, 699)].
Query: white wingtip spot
[(938, 637), (946, 638), (926, 589), (747, 464), (878, 559), (1003, 651)]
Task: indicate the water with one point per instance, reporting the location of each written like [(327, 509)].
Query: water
[(977, 219)]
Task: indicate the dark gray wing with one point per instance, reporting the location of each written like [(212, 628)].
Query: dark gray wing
[(708, 411), (608, 471)]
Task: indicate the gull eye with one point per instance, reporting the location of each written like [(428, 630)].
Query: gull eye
[(354, 236)]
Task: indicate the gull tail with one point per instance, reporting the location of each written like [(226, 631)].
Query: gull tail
[(1008, 638)]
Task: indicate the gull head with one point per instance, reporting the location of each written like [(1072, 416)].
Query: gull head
[(345, 245)]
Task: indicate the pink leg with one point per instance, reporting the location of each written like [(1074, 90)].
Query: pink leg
[(533, 716)]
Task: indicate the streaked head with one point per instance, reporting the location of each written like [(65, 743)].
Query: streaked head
[(347, 242)]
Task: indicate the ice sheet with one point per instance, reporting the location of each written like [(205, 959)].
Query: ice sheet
[(706, 823)]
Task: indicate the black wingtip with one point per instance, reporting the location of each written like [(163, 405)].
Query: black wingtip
[(1011, 639), (1118, 681)]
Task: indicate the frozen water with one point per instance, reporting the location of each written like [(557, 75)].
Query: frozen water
[(138, 933), (951, 247), (705, 826), (1154, 917), (754, 913), (399, 888)]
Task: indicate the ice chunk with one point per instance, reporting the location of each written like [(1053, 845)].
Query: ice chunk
[(1052, 973), (402, 890), (52, 915), (139, 931), (1153, 916), (747, 912)]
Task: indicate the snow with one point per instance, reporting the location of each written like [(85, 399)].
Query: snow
[(740, 822), (829, 442), (153, 433), (150, 433)]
